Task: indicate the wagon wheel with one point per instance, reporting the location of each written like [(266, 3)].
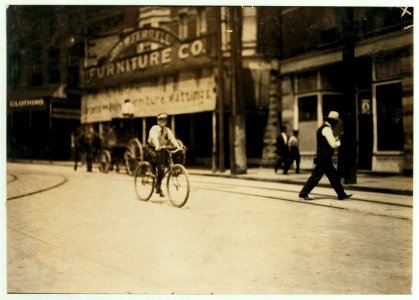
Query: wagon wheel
[(132, 155), (104, 161)]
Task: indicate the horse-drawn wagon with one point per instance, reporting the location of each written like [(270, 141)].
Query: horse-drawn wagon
[(120, 146)]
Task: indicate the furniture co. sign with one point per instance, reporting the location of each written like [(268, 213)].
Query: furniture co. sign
[(129, 55)]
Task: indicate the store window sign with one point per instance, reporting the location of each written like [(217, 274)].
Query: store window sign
[(365, 106), (188, 97)]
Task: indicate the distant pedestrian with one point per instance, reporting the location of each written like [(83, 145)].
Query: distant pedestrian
[(294, 153), (77, 147), (326, 145), (91, 145), (282, 150)]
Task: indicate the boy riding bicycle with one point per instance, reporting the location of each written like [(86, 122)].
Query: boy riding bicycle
[(160, 137)]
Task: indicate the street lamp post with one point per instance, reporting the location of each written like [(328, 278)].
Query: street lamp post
[(238, 158), (220, 92), (347, 159)]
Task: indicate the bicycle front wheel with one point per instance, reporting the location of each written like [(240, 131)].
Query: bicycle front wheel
[(178, 185), (144, 181)]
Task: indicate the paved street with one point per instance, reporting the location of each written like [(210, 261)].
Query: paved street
[(87, 233)]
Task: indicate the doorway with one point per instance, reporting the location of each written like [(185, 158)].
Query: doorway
[(365, 130)]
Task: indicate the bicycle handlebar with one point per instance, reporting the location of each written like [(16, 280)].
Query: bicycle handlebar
[(169, 149)]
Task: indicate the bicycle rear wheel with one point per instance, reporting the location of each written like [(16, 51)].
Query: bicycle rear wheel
[(178, 185), (144, 181)]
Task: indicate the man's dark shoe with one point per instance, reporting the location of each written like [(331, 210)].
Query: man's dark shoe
[(160, 192), (305, 197), (344, 196)]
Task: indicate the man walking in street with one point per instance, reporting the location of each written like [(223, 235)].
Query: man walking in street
[(326, 145)]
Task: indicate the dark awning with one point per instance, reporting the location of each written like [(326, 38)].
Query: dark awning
[(38, 98), (32, 92)]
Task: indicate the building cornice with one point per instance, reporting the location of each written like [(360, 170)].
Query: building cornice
[(370, 46)]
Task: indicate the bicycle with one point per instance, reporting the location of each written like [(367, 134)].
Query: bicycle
[(177, 182)]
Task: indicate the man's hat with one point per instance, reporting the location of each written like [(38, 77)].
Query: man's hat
[(333, 115), (162, 115)]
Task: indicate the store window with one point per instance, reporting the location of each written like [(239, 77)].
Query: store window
[(331, 77), (389, 117), (332, 102), (388, 67), (307, 122), (306, 82)]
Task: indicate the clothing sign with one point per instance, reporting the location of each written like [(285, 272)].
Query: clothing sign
[(27, 104), (190, 94)]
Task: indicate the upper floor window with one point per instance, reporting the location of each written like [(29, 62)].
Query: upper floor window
[(37, 78), (14, 69), (54, 66), (192, 26), (188, 25), (183, 28)]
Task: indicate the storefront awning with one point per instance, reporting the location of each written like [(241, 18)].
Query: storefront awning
[(32, 98), (42, 98), (32, 92)]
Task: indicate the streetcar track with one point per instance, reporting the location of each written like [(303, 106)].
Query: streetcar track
[(37, 191), (193, 185), (226, 190), (317, 194), (310, 202)]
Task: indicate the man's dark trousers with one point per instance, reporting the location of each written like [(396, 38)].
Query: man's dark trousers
[(323, 167)]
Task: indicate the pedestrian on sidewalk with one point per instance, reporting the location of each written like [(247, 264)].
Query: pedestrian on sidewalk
[(326, 145), (294, 153), (282, 149)]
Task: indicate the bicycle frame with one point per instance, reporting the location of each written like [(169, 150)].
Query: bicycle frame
[(170, 153)]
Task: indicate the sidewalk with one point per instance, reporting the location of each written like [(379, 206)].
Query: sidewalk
[(366, 181)]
